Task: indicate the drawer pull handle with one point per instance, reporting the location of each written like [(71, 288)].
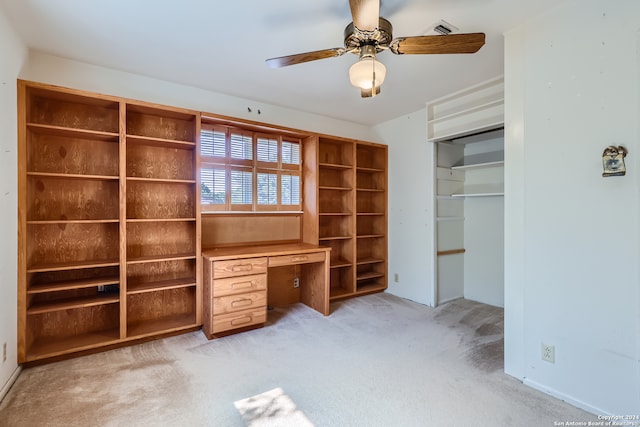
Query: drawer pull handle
[(241, 321), (241, 303), (242, 267), (243, 285), (300, 258)]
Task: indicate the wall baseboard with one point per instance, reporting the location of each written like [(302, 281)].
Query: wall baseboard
[(12, 379), (564, 397)]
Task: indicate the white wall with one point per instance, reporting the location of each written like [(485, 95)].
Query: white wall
[(411, 185), (572, 84), (50, 69), (13, 55), (484, 230), (484, 246)]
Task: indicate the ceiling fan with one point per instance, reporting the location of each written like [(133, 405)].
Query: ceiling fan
[(370, 34)]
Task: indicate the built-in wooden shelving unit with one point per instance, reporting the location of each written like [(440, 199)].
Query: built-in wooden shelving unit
[(350, 211), (108, 221)]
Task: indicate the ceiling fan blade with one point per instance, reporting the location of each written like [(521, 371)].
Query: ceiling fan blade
[(453, 43), (365, 14), (299, 58)]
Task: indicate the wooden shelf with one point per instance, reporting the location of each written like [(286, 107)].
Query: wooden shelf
[(73, 221), (370, 288), (335, 238), (370, 213), (66, 304), (160, 142), (369, 170), (339, 263), (337, 293), (161, 180), (161, 285), (147, 259), (335, 214), (51, 347), (75, 265), (73, 132), (335, 166), (370, 236), (73, 284), (369, 275), (134, 220), (163, 324), (372, 190), (73, 176), (364, 261), (335, 188)]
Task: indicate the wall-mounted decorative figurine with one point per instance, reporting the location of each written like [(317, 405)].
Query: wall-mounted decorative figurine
[(613, 161)]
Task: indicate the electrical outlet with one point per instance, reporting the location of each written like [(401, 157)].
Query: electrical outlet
[(548, 353), (396, 277), (296, 282), (4, 352)]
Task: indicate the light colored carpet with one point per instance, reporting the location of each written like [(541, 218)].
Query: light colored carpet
[(375, 361)]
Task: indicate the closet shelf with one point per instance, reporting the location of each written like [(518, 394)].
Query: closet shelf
[(463, 112), (496, 163), (450, 218), (481, 190)]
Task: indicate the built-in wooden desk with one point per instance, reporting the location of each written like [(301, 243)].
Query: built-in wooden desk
[(235, 283)]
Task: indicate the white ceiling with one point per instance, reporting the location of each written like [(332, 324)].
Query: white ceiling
[(222, 45)]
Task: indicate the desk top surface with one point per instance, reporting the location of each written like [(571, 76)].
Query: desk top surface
[(217, 254)]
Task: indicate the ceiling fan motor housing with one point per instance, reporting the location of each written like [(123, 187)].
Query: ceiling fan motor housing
[(355, 39)]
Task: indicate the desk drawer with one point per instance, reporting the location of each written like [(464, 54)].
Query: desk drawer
[(232, 303), (275, 261), (227, 322), (240, 284), (239, 267)]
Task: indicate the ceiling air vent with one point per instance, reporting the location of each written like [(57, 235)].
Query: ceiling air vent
[(444, 28)]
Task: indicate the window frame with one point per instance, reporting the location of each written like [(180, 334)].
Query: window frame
[(256, 166)]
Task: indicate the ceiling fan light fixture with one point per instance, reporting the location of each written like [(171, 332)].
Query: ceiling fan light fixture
[(367, 73)]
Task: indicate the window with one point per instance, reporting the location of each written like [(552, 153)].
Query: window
[(248, 171)]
